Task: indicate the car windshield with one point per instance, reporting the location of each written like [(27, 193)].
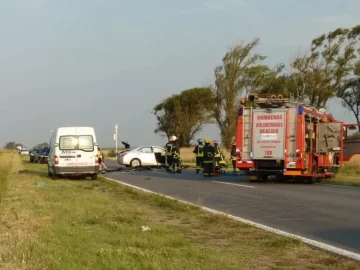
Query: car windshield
[(82, 142)]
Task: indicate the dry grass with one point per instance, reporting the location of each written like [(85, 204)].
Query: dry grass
[(349, 174), (75, 224)]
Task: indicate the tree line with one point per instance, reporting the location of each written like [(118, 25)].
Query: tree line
[(331, 68), (14, 145)]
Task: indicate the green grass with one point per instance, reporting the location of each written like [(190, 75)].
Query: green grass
[(85, 224), (348, 175)]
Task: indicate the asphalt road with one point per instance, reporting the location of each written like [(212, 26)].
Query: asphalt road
[(324, 213)]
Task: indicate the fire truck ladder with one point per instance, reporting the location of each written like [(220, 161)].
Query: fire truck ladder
[(247, 129)]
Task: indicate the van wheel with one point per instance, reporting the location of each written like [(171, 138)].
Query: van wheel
[(94, 176), (135, 162), (54, 176)]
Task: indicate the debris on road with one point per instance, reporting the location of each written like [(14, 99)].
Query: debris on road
[(133, 169)]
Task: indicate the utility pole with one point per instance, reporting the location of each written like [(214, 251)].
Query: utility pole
[(116, 137)]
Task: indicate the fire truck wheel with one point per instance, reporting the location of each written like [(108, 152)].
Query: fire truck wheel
[(312, 180)]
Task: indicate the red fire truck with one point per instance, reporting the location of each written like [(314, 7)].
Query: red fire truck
[(282, 137)]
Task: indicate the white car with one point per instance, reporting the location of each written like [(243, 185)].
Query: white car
[(24, 152), (152, 156)]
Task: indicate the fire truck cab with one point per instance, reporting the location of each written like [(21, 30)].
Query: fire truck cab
[(282, 137)]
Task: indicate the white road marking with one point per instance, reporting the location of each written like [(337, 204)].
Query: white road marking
[(233, 184), (333, 249)]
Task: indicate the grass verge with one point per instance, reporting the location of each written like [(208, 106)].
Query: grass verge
[(84, 224), (349, 174)]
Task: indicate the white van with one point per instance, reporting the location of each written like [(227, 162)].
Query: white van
[(73, 151)]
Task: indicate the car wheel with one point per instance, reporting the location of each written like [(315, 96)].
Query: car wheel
[(135, 162)]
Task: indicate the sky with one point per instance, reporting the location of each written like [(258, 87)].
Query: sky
[(97, 63)]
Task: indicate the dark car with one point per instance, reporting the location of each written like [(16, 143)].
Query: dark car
[(32, 153), (42, 155)]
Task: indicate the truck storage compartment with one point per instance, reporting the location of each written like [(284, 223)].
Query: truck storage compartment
[(269, 126)]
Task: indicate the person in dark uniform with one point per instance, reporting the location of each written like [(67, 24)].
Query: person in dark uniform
[(176, 155), (208, 159), (217, 157), (233, 156), (198, 151), (169, 153)]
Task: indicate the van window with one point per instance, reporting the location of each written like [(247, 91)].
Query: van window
[(86, 143), (67, 142), (83, 143)]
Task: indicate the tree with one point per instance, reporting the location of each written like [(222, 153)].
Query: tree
[(349, 91), (165, 115), (44, 144), (184, 114), (319, 74), (350, 97), (237, 73), (12, 145)]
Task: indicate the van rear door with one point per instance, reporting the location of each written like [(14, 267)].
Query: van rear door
[(86, 153), (67, 156)]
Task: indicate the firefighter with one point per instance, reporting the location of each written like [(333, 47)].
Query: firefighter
[(198, 151), (219, 159), (176, 155), (233, 156), (208, 159), (217, 152), (169, 153)]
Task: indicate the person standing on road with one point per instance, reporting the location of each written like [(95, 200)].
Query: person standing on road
[(198, 151), (217, 157), (176, 155), (101, 159), (208, 159), (233, 157), (169, 155)]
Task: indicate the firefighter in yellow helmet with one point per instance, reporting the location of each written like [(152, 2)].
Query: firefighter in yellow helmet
[(176, 155), (208, 158), (219, 159), (169, 153), (198, 151)]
